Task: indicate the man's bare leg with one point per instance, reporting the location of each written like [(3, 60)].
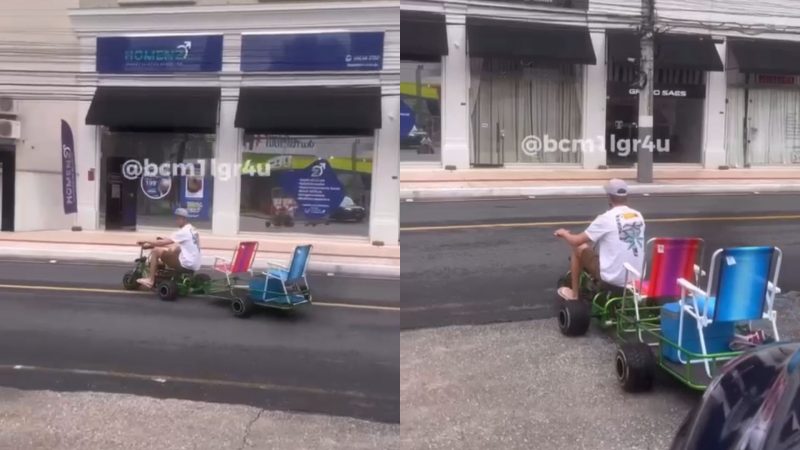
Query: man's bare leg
[(155, 257), (576, 268)]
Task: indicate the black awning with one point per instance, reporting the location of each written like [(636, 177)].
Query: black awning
[(766, 56), (310, 110), (550, 43), (423, 37), (161, 108), (672, 51)]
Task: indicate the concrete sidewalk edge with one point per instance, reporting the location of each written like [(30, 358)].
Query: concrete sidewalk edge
[(369, 270), (572, 190)]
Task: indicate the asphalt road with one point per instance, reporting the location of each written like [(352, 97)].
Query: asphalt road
[(495, 260), (338, 357)]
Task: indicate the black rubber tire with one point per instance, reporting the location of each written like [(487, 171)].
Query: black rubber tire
[(167, 290), (129, 280), (574, 317), (242, 307), (635, 366)]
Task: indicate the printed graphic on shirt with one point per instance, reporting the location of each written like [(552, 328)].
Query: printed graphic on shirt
[(631, 232)]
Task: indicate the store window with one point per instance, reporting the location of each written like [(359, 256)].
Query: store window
[(420, 114), (317, 184), (133, 198), (511, 99)]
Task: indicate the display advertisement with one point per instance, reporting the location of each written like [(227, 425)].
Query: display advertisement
[(68, 178), (316, 189), (156, 187), (196, 194)]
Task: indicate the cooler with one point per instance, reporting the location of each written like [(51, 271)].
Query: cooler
[(718, 335)]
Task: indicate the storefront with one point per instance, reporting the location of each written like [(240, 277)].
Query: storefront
[(279, 132), (681, 63), (763, 108), (522, 85)]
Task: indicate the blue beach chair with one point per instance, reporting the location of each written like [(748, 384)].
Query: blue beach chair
[(286, 287), (741, 288)]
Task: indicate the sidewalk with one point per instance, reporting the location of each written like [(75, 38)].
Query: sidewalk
[(331, 254), (39, 420), (418, 183)]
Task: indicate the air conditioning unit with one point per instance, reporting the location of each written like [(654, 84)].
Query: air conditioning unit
[(10, 129), (8, 106)]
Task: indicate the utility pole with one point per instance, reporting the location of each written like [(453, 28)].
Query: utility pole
[(646, 144)]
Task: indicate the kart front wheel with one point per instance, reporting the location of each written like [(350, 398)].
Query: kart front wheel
[(242, 307), (574, 317), (167, 290), (129, 280), (635, 366)]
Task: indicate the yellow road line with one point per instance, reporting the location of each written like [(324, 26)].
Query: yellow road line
[(119, 291), (586, 222), (177, 379)]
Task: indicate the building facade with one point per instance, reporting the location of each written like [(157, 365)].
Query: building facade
[(479, 80), (273, 117)]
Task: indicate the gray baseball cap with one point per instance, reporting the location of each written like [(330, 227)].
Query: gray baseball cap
[(616, 187), (182, 212)]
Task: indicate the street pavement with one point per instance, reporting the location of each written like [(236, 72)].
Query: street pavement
[(495, 260), (523, 385), (69, 327)]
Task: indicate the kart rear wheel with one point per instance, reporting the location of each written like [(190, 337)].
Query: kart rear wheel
[(242, 307), (167, 290), (574, 317), (635, 366), (129, 280)]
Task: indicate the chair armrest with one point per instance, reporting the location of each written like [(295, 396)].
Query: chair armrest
[(691, 287), (276, 265), (772, 288), (632, 270), (698, 272), (224, 267)]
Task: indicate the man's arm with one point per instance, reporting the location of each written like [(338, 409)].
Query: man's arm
[(572, 239), (159, 242)]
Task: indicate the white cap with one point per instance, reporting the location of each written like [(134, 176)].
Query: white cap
[(616, 187), (182, 212)]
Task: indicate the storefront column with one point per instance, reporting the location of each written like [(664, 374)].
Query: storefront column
[(384, 224), (455, 95), (714, 133), (594, 105), (87, 158), (225, 216)]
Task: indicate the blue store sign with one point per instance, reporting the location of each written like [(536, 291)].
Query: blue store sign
[(407, 120), (316, 189), (312, 52), (159, 54)]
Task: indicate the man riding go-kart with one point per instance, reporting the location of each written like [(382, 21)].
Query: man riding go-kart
[(180, 251), (617, 236)]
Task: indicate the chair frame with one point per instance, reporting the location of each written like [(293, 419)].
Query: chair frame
[(690, 292)]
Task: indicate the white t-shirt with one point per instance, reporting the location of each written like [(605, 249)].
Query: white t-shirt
[(618, 236), (189, 241)]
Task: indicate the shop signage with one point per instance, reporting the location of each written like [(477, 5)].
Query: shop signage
[(407, 120), (68, 178), (312, 52), (783, 80), (677, 91), (316, 189), (159, 54)]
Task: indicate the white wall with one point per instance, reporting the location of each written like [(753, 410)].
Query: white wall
[(39, 56)]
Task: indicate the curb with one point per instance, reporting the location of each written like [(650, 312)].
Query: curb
[(571, 190), (328, 267)]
